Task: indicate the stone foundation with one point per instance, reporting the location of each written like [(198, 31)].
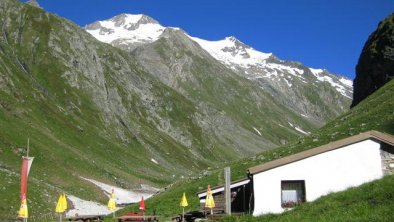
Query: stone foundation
[(387, 154)]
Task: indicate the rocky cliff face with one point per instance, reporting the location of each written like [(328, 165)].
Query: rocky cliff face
[(375, 66)]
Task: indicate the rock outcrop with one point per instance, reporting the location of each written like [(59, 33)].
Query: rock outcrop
[(376, 63)]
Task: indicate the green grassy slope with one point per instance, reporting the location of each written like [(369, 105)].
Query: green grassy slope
[(374, 113)]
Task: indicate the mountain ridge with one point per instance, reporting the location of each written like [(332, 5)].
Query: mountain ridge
[(286, 80)]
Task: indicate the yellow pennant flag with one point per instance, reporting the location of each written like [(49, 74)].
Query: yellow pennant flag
[(209, 202), (111, 203), (64, 199), (60, 205), (184, 201), (23, 212)]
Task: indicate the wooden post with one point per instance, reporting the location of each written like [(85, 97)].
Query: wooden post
[(243, 199), (27, 152), (227, 190), (183, 214), (27, 155)]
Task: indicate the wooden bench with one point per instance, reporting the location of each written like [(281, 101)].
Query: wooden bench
[(189, 216), (219, 216), (86, 218), (193, 215), (138, 218)]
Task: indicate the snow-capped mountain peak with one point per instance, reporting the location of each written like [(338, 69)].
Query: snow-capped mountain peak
[(127, 28), (231, 51), (234, 39), (128, 31), (132, 22), (257, 65)]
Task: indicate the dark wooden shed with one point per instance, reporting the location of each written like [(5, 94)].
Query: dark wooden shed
[(241, 197)]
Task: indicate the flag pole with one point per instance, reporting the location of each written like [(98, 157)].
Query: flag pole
[(26, 163), (183, 214), (27, 155)]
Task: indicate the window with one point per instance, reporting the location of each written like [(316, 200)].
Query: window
[(293, 193)]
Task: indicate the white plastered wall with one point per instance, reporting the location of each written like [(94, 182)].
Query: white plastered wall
[(327, 172)]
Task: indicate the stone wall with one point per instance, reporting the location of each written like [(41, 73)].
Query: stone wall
[(387, 154)]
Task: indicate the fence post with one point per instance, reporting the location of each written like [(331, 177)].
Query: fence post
[(227, 190)]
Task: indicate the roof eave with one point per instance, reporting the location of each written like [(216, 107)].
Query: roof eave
[(376, 135)]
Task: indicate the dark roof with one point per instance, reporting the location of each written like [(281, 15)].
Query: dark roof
[(220, 186), (375, 135)]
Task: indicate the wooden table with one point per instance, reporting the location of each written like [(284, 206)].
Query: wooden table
[(138, 218)]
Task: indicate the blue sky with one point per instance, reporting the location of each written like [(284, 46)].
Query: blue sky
[(326, 34)]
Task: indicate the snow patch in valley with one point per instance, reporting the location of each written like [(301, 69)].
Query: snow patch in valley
[(124, 196), (154, 161), (257, 131), (85, 207), (302, 131), (299, 129)]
